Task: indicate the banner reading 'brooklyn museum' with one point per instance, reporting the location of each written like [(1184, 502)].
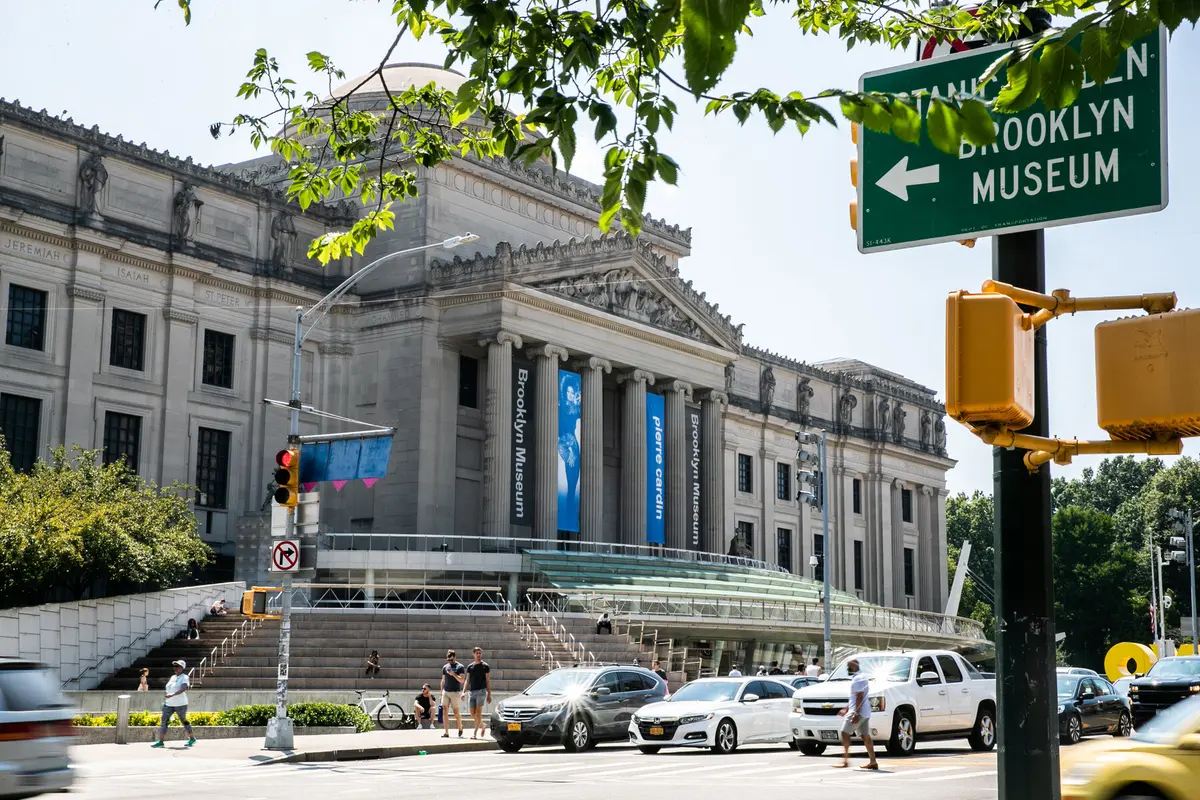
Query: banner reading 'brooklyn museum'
[(656, 469), (523, 433), (570, 398), (692, 488)]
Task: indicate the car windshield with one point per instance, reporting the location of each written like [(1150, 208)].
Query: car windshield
[(1173, 668), (25, 688), (877, 668), (1171, 723), (564, 682), (1067, 685), (706, 692)]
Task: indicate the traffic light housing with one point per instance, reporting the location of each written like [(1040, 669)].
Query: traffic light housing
[(854, 178), (989, 360), (1147, 384), (287, 476), (808, 470)]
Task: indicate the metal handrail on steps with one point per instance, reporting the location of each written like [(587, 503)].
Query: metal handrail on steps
[(564, 637), (530, 637), (113, 655), (226, 648)]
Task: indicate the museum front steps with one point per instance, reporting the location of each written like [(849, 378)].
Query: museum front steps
[(214, 630)]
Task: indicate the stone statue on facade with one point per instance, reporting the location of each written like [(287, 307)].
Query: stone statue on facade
[(766, 389), (283, 240), (186, 214), (939, 435), (846, 405), (926, 429), (92, 177), (739, 547), (804, 394), (620, 291), (730, 370), (898, 415), (883, 419)]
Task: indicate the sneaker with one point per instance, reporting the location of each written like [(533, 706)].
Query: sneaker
[(157, 744), (190, 742)]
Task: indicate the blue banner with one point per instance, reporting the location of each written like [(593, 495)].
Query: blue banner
[(656, 470), (570, 399), (345, 460)]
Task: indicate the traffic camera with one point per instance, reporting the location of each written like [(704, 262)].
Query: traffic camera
[(989, 360), (287, 476)]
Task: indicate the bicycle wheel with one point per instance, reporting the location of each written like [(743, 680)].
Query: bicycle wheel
[(390, 717)]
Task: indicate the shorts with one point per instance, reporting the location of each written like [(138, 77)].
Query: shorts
[(450, 702), (862, 727), (477, 698)]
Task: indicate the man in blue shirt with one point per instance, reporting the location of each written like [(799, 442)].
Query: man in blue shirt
[(857, 716)]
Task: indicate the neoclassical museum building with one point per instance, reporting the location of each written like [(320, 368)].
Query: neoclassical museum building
[(546, 381)]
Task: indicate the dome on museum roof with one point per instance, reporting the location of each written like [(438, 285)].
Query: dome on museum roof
[(400, 77)]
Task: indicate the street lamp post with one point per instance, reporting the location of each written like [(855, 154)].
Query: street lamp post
[(818, 480), (279, 728)]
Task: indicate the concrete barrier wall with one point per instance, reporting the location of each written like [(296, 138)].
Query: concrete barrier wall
[(175, 735), (89, 640), (105, 702)]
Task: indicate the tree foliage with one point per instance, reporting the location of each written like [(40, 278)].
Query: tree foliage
[(72, 522), (572, 63), (969, 519)]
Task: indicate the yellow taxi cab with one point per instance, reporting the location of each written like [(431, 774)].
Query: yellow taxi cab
[(1161, 760)]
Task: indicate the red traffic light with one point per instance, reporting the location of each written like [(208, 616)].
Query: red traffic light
[(284, 458)]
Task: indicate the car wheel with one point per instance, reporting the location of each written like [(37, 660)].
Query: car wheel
[(1124, 725), (904, 735), (509, 747), (725, 742), (649, 749), (983, 736), (810, 748), (579, 735), (1074, 730)]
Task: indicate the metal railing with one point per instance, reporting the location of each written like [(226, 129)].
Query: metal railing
[(223, 651), (874, 619), (579, 653), (528, 635), (174, 620), (429, 543), (403, 597)]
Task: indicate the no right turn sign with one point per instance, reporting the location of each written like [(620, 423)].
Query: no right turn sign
[(285, 556)]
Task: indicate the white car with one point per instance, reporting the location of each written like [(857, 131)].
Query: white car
[(717, 713), (914, 695), (35, 731)]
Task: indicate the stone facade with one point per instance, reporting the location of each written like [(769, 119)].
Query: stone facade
[(212, 262)]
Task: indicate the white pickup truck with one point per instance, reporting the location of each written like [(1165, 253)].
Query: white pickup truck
[(914, 695)]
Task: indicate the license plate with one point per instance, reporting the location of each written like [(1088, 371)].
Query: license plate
[(514, 727), (656, 731), (829, 736)]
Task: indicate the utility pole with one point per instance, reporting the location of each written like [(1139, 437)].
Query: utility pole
[(1027, 730), (825, 544), (816, 478), (1191, 555)]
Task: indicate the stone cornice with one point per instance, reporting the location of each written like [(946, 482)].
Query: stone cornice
[(267, 334), (85, 292), (179, 315), (334, 348)]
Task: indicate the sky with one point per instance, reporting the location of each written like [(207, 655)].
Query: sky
[(770, 230)]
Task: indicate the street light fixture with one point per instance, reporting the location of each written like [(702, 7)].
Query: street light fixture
[(279, 728)]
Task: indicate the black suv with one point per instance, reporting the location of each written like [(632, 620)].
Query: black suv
[(576, 707), (1168, 682)]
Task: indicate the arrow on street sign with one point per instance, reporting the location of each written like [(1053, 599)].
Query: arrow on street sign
[(900, 177), (285, 556)]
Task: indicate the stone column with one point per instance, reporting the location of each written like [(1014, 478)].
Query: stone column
[(497, 450), (633, 456), (926, 563), (545, 493), (712, 499), (87, 344), (180, 361), (939, 540), (893, 552), (591, 477), (677, 395)]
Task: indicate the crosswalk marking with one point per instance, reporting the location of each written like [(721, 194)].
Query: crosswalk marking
[(960, 777)]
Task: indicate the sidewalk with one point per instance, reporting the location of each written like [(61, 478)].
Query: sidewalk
[(333, 747)]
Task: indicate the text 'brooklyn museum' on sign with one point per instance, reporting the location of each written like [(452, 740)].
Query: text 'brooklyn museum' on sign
[(1103, 156)]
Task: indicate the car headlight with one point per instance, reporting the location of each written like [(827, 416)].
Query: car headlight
[(1133, 690), (1082, 772), (1060, 709), (688, 720), (552, 707), (798, 704), (1195, 689), (878, 703)]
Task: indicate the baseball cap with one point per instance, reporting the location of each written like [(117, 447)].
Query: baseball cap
[(180, 663)]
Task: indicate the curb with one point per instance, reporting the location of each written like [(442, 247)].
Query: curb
[(385, 751)]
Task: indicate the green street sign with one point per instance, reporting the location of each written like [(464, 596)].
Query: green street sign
[(1103, 156)]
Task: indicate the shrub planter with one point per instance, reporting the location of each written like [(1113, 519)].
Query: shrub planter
[(108, 735)]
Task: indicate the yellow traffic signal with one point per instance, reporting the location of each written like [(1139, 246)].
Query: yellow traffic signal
[(1147, 384), (854, 179), (287, 476), (989, 360)]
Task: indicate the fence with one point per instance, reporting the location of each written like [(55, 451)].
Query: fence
[(384, 597)]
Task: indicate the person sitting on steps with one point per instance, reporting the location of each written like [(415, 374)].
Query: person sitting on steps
[(373, 664), (604, 624)]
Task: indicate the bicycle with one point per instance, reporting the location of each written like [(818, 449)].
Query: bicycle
[(388, 716)]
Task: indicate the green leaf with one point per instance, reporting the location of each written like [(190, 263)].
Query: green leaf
[(566, 144), (994, 69), (852, 109), (906, 121), (876, 115), (945, 126), (977, 125), (667, 168), (635, 192), (1022, 88), (606, 120), (1061, 75), (1170, 12), (709, 39), (1077, 27), (1097, 58)]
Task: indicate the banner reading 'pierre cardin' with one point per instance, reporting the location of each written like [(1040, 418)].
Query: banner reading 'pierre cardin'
[(523, 433), (693, 449), (656, 469)]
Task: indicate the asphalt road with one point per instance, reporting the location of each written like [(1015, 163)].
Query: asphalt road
[(950, 772)]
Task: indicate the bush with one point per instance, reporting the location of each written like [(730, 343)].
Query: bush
[(329, 715), (249, 716), (309, 715)]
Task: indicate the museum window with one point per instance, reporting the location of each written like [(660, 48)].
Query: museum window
[(819, 552), (745, 475), (783, 548), (19, 418), (858, 564), (783, 481), (746, 531), (122, 438), (906, 504), (857, 496), (212, 468), (468, 382), (909, 577), (218, 359), (26, 318), (128, 346)]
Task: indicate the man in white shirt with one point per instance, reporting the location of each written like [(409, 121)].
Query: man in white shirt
[(175, 702), (735, 672), (813, 670), (858, 716)]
